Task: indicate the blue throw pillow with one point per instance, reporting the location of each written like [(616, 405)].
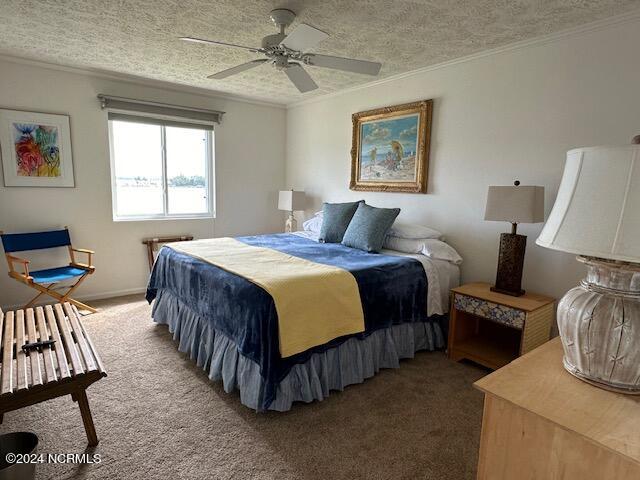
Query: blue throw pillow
[(335, 220), (369, 227)]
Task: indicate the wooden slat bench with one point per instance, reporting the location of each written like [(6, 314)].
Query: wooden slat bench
[(66, 367)]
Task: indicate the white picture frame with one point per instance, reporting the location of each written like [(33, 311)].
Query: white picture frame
[(35, 149)]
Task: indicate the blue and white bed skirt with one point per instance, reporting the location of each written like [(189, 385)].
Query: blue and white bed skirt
[(350, 362)]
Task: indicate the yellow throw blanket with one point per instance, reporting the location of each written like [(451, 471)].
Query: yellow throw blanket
[(315, 302)]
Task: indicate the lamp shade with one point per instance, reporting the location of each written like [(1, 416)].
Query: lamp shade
[(515, 204), (291, 200), (597, 210)]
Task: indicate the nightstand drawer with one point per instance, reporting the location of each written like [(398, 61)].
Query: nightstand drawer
[(508, 316)]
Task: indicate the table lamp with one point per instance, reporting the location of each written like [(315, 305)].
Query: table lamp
[(514, 204), (291, 201), (597, 217)]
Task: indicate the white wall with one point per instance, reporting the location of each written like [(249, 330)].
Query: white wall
[(250, 169), (497, 118)]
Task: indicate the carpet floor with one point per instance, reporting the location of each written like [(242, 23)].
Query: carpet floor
[(158, 416)]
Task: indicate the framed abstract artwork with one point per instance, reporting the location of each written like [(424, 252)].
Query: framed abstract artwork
[(36, 149), (390, 148)]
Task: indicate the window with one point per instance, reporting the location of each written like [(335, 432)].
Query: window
[(160, 169)]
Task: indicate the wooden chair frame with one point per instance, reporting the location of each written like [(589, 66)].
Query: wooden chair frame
[(50, 289)]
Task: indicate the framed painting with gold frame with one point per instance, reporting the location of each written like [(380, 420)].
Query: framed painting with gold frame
[(390, 148)]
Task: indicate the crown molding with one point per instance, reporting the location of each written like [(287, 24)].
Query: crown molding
[(629, 17), (142, 81)]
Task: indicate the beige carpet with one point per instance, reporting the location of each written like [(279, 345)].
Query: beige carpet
[(159, 417)]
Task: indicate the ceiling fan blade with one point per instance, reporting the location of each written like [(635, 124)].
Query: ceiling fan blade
[(346, 64), (213, 42), (300, 78), (237, 69), (304, 37)]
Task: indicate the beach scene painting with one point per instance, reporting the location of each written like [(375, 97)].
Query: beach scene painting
[(36, 149), (390, 150)]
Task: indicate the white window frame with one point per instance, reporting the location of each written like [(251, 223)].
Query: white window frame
[(210, 176)]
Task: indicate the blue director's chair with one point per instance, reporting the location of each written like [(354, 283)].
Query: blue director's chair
[(45, 281)]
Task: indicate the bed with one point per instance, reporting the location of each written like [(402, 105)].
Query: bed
[(228, 324)]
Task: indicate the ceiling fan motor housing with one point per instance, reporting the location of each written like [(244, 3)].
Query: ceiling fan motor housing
[(272, 40)]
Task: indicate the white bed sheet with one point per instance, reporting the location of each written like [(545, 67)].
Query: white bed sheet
[(442, 276)]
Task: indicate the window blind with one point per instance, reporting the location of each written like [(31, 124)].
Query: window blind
[(141, 111)]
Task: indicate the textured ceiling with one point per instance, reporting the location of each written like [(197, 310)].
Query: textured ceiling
[(138, 37)]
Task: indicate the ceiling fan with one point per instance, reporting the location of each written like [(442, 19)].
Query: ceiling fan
[(289, 53)]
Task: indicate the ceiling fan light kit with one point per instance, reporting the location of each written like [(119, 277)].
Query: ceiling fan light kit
[(290, 52)]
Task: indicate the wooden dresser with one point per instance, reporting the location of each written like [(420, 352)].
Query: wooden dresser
[(542, 423)]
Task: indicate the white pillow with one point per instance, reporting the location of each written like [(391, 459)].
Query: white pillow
[(443, 251), (404, 245), (431, 247), (314, 224), (413, 231)]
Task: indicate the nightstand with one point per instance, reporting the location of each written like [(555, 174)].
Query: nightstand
[(492, 328)]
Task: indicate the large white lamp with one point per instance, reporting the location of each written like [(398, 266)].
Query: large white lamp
[(291, 201), (597, 216)]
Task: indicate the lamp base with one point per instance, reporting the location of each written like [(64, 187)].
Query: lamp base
[(597, 383), (510, 264), (291, 225), (599, 324), (508, 292)]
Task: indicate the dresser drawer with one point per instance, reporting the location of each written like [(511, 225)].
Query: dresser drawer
[(498, 313)]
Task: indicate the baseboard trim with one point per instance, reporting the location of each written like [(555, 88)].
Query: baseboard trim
[(86, 298), (114, 294)]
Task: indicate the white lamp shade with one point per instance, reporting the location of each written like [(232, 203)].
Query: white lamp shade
[(521, 204), (291, 200), (597, 210)]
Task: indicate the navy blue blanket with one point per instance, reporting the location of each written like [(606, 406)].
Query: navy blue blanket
[(393, 290)]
